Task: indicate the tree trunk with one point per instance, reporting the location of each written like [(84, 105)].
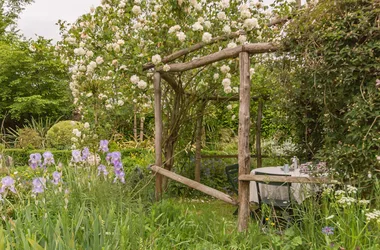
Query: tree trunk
[(134, 125)]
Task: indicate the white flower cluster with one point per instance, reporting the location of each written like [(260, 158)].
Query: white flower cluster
[(206, 37), (156, 59), (346, 201), (77, 132), (351, 189), (374, 215)]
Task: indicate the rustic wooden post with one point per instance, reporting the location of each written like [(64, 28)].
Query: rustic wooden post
[(198, 142), (158, 131), (142, 119), (258, 134), (134, 123), (244, 154)]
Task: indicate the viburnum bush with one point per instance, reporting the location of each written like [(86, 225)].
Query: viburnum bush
[(106, 48)]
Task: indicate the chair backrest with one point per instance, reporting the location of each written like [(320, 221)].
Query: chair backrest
[(232, 173), (272, 183)]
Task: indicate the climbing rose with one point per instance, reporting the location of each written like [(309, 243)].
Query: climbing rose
[(135, 79), (181, 36), (141, 84), (166, 67), (136, 10)]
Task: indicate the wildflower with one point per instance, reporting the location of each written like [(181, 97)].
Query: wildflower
[(48, 158), (346, 201), (7, 183), (56, 178), (103, 146), (102, 170), (35, 160), (39, 185), (351, 189), (374, 215), (339, 192), (85, 153), (328, 230), (364, 202), (76, 156), (206, 37), (156, 59)]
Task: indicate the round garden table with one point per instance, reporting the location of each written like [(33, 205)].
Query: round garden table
[(299, 191)]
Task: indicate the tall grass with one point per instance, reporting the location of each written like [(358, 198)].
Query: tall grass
[(95, 213)]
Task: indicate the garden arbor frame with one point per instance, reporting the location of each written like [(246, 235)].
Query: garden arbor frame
[(244, 156)]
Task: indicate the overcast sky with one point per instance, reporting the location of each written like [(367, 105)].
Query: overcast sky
[(41, 16)]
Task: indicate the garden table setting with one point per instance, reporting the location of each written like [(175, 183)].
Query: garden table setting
[(299, 191)]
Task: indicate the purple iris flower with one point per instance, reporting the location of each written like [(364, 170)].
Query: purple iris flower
[(76, 156), (35, 160), (48, 158), (120, 175), (102, 170), (85, 154), (328, 230), (56, 178), (103, 146), (39, 185), (7, 183)]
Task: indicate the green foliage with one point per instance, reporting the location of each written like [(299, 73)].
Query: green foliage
[(20, 156), (329, 83), (59, 135), (29, 138), (33, 80)]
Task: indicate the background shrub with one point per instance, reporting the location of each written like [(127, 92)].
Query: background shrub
[(59, 136), (29, 138)]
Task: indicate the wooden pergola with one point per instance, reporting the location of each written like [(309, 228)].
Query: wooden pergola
[(244, 156)]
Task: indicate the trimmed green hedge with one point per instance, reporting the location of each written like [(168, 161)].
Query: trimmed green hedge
[(21, 156)]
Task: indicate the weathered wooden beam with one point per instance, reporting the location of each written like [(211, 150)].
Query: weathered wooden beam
[(258, 134), (254, 48), (193, 184), (158, 131), (195, 47), (233, 156), (290, 179), (198, 141), (243, 146), (200, 45)]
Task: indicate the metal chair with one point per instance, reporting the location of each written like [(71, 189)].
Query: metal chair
[(282, 204), (232, 173)]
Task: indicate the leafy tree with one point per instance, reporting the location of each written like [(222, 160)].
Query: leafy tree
[(9, 12), (330, 82), (33, 81)]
